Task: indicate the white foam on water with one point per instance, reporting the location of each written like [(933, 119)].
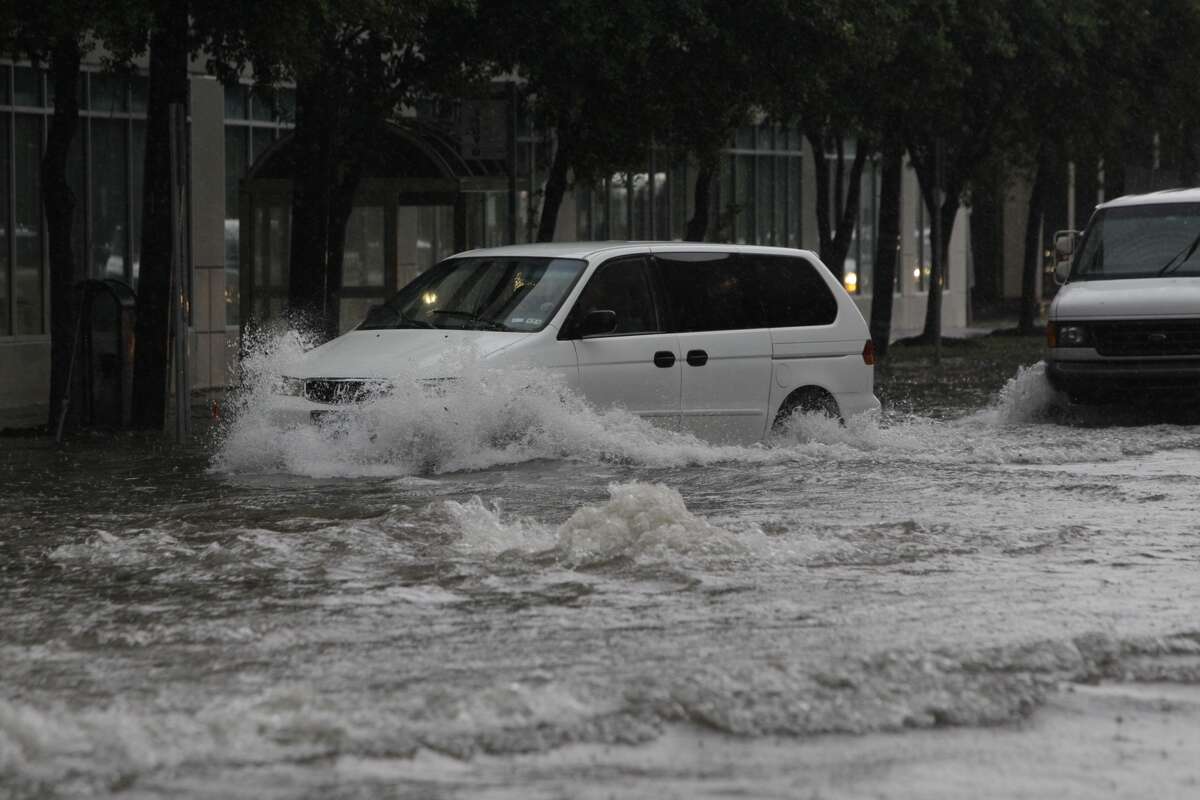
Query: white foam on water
[(1026, 397), (485, 418), (645, 522)]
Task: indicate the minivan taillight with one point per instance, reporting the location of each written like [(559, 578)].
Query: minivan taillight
[(869, 352)]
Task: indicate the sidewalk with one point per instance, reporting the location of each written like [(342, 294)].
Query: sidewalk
[(23, 417)]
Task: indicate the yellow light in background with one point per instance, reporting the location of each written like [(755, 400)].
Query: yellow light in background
[(429, 298), (851, 281)]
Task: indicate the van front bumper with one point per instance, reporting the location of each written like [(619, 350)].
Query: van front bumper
[(1127, 378)]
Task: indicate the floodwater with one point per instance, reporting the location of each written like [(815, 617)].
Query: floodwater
[(495, 591)]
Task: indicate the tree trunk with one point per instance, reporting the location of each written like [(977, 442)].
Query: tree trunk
[(835, 227), (1033, 244), (887, 249), (168, 84), (839, 245), (816, 140), (59, 203), (556, 182), (940, 255), (697, 226), (312, 189)]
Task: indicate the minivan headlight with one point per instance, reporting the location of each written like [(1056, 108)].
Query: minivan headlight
[(1066, 335), (292, 387)]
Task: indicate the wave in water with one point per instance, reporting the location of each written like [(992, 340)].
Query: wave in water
[(486, 418)]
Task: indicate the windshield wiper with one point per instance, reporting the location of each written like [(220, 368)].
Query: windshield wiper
[(386, 317), (1187, 252), (473, 317)]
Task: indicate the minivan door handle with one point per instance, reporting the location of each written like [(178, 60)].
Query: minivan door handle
[(664, 359), (697, 358)]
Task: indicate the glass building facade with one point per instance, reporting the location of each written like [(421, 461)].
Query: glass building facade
[(105, 172), (487, 192)]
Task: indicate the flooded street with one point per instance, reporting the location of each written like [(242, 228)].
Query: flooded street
[(512, 595)]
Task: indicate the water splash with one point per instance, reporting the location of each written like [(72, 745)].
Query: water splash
[(643, 522)]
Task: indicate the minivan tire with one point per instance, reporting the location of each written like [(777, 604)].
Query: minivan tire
[(809, 399)]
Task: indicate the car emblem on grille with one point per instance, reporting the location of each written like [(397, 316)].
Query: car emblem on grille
[(1156, 338)]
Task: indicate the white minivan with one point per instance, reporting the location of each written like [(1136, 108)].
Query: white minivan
[(1126, 322), (722, 341)]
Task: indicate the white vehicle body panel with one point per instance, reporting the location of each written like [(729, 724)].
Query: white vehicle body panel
[(732, 397)]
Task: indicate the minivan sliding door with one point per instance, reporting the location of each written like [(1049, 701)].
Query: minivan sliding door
[(717, 312)]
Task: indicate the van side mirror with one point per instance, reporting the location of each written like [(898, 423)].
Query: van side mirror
[(1064, 249), (596, 322), (1064, 244)]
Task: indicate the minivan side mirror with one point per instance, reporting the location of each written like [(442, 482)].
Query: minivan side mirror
[(596, 322)]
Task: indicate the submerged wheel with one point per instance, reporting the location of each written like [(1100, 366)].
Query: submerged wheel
[(809, 400)]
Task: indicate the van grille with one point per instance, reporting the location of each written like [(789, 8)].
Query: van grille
[(336, 390), (1172, 337)]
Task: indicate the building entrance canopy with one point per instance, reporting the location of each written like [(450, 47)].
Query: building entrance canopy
[(421, 200)]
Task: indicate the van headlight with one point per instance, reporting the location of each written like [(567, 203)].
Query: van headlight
[(1059, 334), (292, 387)]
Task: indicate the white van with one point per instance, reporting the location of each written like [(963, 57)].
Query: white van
[(717, 340), (1126, 322)]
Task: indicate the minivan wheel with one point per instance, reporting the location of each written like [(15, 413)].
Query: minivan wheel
[(808, 400)]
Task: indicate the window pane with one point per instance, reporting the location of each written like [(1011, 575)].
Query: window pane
[(622, 287), (679, 200), (794, 292), (236, 144), (137, 172), (108, 94), (278, 245), (362, 263), (139, 93), (5, 304), (235, 102), (4, 70), (260, 107), (27, 89), (285, 99), (435, 235), (712, 291), (662, 207), (260, 269), (260, 140), (763, 206), (793, 205), (618, 223), (641, 189), (28, 267), (744, 199), (110, 198), (353, 310)]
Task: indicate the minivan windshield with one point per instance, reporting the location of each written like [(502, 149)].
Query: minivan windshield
[(1141, 242), (515, 293)]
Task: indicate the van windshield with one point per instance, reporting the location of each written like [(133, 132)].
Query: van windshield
[(493, 293), (1141, 242)]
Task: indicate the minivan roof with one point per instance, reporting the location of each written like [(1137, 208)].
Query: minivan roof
[(1155, 198), (586, 250)]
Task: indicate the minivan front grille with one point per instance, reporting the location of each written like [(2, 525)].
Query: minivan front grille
[(340, 390), (1171, 337)]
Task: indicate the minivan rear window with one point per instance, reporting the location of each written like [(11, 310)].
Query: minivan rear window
[(724, 291), (793, 291)]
